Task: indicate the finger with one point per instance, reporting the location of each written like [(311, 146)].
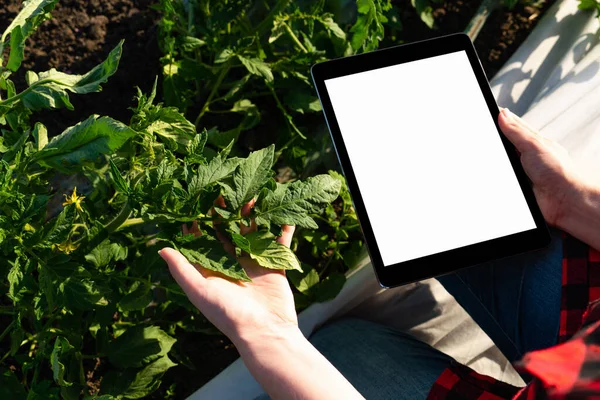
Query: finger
[(247, 208), (185, 274), (195, 229), (220, 201), (227, 245), (523, 136), (246, 211), (287, 233)]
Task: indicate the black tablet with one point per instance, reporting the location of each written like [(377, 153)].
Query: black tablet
[(436, 185)]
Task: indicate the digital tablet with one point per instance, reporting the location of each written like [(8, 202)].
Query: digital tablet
[(436, 185)]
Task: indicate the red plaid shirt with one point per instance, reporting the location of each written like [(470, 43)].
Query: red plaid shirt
[(570, 369)]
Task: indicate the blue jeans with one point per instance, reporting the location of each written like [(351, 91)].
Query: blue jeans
[(516, 301)]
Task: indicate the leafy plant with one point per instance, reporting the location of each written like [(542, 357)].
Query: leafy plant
[(88, 308), (590, 5), (243, 66), (241, 62)]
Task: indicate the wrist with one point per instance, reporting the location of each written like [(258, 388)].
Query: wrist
[(582, 212), (257, 341)]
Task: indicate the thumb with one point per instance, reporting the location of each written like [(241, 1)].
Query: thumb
[(521, 135), (186, 275)]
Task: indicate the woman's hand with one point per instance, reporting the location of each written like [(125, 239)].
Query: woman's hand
[(567, 200), (260, 319), (555, 182), (244, 311)]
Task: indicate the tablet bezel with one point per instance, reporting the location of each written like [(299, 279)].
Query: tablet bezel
[(451, 260)]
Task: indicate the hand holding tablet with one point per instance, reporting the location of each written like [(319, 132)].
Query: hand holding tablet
[(436, 185)]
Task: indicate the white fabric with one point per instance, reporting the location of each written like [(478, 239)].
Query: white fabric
[(553, 79)]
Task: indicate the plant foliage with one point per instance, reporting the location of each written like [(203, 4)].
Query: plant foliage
[(84, 212)]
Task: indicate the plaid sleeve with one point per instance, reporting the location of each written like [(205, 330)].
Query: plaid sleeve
[(460, 382), (580, 307), (568, 370), (580, 284)]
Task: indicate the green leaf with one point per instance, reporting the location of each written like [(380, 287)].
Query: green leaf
[(425, 11), (302, 101), (191, 43), (105, 253), (262, 248), (56, 230), (46, 285), (81, 292), (291, 204), (43, 391), (50, 91), (17, 49), (170, 124), (333, 27), (10, 387), (15, 277), (195, 149), (137, 299), (223, 56), (32, 14), (250, 176), (589, 5), (368, 30), (120, 183), (236, 87), (214, 258), (31, 77), (257, 67), (40, 135), (83, 142), (304, 281), (61, 347), (148, 379), (329, 287), (251, 118), (16, 148), (217, 169), (139, 346)]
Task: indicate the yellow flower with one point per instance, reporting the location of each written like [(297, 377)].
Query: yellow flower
[(67, 247), (74, 199)]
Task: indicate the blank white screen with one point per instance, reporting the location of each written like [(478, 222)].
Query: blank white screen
[(429, 161)]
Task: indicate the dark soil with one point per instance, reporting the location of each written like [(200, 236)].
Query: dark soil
[(78, 37), (502, 34), (82, 33)]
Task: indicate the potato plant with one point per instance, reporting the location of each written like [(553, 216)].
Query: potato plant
[(87, 307)]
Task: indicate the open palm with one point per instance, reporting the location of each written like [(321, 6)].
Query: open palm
[(241, 310)]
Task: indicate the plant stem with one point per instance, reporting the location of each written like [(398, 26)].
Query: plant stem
[(6, 330), (7, 310), (130, 222), (288, 118), (5, 356), (294, 37), (266, 23), (120, 218), (212, 93), (483, 12)]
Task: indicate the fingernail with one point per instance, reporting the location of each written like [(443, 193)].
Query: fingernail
[(160, 252), (507, 113)]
